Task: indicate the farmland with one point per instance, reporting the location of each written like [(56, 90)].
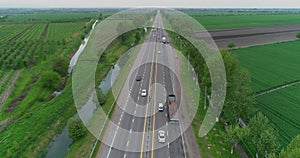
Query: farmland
[(283, 108), (271, 65), (31, 42), (245, 20)]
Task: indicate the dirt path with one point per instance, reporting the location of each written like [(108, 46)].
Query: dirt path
[(44, 33), (3, 79), (8, 89), (277, 88)]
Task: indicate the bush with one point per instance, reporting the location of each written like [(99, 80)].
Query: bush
[(60, 65), (231, 45), (50, 79), (101, 96), (76, 129), (298, 35)]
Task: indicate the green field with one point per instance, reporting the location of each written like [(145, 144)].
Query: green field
[(237, 21), (55, 17), (271, 65), (283, 108)]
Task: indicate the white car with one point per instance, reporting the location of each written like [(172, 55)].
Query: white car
[(161, 136), (160, 107), (144, 93)]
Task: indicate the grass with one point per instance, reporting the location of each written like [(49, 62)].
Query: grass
[(282, 108), (271, 65), (238, 21), (215, 144)]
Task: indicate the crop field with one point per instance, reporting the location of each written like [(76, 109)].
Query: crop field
[(29, 42), (8, 31), (283, 108), (50, 17), (271, 65), (248, 20), (63, 31)]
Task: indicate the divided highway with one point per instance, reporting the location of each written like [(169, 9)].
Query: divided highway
[(136, 119)]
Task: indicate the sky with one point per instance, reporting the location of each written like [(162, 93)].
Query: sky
[(156, 3)]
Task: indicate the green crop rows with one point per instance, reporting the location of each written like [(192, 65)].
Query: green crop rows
[(282, 108), (63, 31), (271, 65), (51, 17), (8, 31)]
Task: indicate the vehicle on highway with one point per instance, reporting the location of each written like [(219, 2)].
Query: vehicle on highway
[(144, 93), (160, 107), (138, 78), (172, 108), (164, 40), (161, 136)]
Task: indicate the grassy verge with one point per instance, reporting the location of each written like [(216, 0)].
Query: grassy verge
[(215, 144)]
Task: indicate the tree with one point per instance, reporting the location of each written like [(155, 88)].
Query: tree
[(235, 134), (263, 136), (292, 150), (298, 35), (101, 96), (76, 129), (231, 45), (60, 65), (50, 79)]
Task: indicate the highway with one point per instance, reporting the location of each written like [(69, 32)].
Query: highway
[(137, 119)]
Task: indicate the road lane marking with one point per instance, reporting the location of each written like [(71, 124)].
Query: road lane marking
[(132, 120), (154, 103), (112, 143), (127, 143), (110, 148), (124, 156), (146, 114)]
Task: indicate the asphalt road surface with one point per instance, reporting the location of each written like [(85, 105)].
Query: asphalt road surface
[(136, 118), (244, 37)]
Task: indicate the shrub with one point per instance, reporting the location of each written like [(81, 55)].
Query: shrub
[(50, 79), (76, 129), (231, 45), (298, 35)]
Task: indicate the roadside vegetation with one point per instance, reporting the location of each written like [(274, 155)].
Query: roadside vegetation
[(84, 146)]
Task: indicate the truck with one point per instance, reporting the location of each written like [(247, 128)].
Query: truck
[(164, 40), (172, 108)]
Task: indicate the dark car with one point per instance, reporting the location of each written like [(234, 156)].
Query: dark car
[(138, 78)]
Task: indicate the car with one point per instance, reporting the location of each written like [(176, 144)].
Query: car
[(144, 93), (138, 78), (160, 107), (161, 136)]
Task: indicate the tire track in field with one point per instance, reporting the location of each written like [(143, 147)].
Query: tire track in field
[(8, 89), (273, 89), (44, 33), (20, 34)]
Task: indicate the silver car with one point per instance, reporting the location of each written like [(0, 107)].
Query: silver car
[(144, 93), (161, 136)]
